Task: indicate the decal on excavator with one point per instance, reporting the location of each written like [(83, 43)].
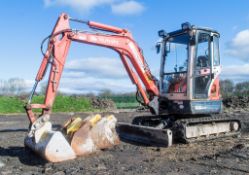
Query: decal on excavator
[(137, 57)]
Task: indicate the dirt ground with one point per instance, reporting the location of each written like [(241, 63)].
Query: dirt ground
[(224, 156)]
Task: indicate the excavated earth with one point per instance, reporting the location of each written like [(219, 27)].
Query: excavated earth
[(223, 156)]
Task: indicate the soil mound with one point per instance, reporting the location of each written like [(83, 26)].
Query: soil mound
[(241, 102), (103, 103)]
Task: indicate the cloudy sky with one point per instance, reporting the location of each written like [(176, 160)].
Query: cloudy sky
[(91, 69)]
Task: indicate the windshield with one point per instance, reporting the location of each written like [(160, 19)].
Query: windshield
[(176, 65), (177, 53)]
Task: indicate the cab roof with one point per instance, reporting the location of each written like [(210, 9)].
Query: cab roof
[(182, 31), (180, 36)]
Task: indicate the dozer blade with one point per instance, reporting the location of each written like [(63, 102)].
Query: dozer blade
[(144, 135)]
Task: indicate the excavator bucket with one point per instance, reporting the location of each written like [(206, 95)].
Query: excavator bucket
[(51, 145), (78, 137), (96, 133)]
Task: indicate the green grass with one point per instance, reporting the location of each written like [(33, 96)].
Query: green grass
[(11, 105), (124, 101), (63, 103), (126, 105), (72, 104)]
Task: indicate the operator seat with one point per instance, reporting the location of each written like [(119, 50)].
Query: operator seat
[(202, 82), (202, 61)]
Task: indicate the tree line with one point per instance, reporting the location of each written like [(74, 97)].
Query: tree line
[(12, 87), (229, 88), (18, 86)]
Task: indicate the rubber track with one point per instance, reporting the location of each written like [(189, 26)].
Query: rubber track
[(179, 127)]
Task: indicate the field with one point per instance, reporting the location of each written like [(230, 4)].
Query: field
[(63, 103), (228, 155), (224, 156), (123, 101)]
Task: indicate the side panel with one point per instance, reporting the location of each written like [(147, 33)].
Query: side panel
[(195, 107)]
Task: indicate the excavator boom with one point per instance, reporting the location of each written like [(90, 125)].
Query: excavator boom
[(117, 39), (54, 147)]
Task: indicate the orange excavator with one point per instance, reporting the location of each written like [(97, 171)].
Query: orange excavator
[(184, 101)]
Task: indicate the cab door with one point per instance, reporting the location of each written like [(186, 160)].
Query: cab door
[(202, 76), (214, 90)]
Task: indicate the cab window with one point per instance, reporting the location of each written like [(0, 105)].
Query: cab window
[(216, 51), (202, 57)]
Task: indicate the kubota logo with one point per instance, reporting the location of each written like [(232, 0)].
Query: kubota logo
[(104, 40)]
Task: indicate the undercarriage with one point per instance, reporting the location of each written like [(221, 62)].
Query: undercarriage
[(163, 130)]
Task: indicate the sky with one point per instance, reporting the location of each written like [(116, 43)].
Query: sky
[(25, 23)]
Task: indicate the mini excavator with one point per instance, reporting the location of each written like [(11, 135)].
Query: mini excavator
[(185, 100)]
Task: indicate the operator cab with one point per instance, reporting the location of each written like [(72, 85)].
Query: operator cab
[(190, 65)]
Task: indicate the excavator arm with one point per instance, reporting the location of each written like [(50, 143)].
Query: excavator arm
[(117, 39)]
